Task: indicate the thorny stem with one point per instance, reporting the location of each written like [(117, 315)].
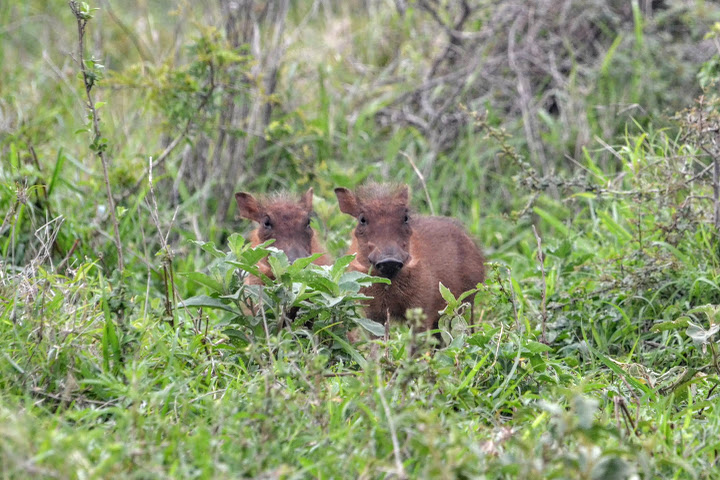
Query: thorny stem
[(81, 23)]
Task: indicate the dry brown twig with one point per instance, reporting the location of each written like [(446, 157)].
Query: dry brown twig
[(422, 180)]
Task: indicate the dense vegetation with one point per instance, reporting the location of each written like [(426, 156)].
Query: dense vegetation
[(576, 140)]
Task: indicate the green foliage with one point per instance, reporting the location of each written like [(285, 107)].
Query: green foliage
[(299, 295)]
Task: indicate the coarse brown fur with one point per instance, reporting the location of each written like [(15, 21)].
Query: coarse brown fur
[(285, 219), (415, 252)]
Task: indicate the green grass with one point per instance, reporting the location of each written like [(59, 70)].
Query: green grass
[(601, 363)]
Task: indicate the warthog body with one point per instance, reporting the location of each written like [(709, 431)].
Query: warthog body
[(415, 252)]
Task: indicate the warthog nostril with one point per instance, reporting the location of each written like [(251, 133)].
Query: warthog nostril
[(389, 267)]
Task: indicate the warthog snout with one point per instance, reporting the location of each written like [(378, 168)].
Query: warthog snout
[(389, 268), (388, 263)]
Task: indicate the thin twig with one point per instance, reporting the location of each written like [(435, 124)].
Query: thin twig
[(422, 180), (82, 19)]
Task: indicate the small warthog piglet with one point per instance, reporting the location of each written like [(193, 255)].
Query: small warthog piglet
[(415, 252), (286, 220)]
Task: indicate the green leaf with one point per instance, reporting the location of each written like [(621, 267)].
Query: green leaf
[(236, 242), (111, 346), (321, 284), (612, 468), (372, 279), (207, 302), (340, 265), (711, 311), (209, 247), (676, 324), (349, 349), (375, 328), (279, 263), (471, 374), (537, 347), (448, 296), (302, 263), (564, 250), (59, 161)]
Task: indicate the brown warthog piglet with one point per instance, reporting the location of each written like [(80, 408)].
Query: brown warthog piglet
[(415, 252), (286, 220)]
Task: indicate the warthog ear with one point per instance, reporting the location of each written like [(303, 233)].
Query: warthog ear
[(347, 201), (248, 206), (306, 199), (402, 194)]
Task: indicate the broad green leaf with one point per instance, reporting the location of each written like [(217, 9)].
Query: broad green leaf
[(340, 265), (711, 311), (322, 284), (448, 296), (236, 242), (537, 347), (612, 468), (302, 263), (375, 328), (207, 302), (279, 263), (349, 349), (676, 324), (210, 248)]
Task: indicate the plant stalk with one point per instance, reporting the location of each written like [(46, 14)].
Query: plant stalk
[(81, 23)]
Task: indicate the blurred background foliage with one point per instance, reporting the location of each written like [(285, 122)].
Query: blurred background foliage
[(268, 95)]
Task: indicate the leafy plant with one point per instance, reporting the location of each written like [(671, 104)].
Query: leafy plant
[(325, 299)]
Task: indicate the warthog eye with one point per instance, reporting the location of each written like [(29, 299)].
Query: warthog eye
[(267, 223), (362, 220), (308, 223), (407, 218)]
